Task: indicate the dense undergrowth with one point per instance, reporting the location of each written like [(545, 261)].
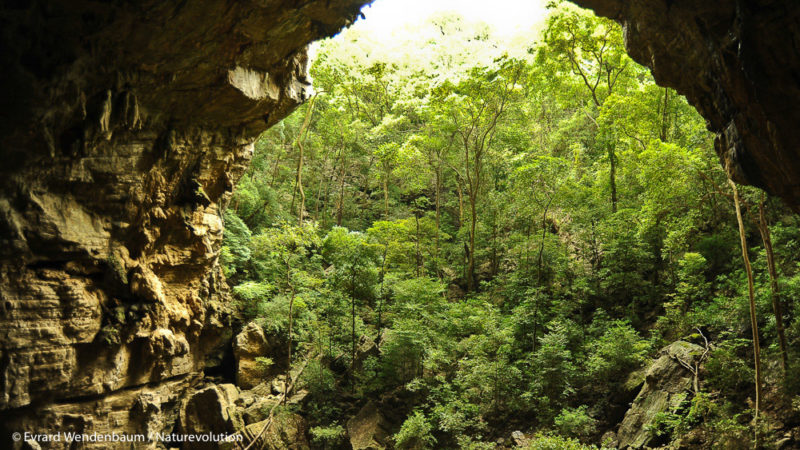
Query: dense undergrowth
[(493, 242)]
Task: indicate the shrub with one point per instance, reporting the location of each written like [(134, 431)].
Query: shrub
[(415, 433), (619, 350), (575, 422), (327, 436), (555, 442)]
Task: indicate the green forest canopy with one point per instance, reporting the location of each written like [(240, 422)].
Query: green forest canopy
[(516, 234)]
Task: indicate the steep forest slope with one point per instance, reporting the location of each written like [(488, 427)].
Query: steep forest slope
[(459, 244)]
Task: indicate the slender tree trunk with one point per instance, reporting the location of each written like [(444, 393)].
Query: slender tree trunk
[(340, 206), (382, 296), (535, 322), (436, 249), (613, 178), (777, 307), (289, 345), (299, 176), (665, 116), (753, 321), (471, 261), (277, 167), (539, 260), (385, 198), (460, 204)]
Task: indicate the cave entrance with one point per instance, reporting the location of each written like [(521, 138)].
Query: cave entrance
[(509, 217)]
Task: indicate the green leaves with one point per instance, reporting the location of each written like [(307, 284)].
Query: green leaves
[(490, 237)]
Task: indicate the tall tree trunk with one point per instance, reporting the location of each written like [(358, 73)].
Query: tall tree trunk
[(382, 296), (385, 198), (665, 116), (289, 344), (539, 260), (777, 307), (419, 256), (753, 321), (277, 167), (612, 174), (340, 206), (460, 205), (299, 175), (471, 261), (436, 249), (544, 235)]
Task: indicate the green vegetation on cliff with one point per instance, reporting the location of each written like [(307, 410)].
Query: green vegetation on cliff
[(502, 243)]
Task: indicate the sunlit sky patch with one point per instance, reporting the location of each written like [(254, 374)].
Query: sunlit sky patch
[(505, 17), (399, 28)]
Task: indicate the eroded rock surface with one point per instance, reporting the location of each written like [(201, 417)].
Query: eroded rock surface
[(224, 410), (248, 345), (738, 63), (369, 429), (666, 386), (123, 128)]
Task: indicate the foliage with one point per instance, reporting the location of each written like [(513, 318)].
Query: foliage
[(415, 433), (329, 436), (575, 422), (556, 442), (499, 239)]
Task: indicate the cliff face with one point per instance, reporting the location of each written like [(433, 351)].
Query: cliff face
[(124, 127), (738, 63)]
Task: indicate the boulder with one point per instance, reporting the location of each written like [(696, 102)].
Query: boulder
[(287, 431), (211, 410), (259, 409), (366, 348), (250, 344), (224, 409), (667, 383), (369, 429)]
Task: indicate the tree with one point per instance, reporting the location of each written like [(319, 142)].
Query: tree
[(354, 262), (281, 252), (592, 48), (472, 110)]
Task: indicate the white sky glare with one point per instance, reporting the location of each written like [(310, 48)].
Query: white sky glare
[(506, 17)]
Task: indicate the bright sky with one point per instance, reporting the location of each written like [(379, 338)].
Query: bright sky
[(506, 17)]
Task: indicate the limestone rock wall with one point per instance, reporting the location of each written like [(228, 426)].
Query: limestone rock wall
[(123, 128), (738, 63)]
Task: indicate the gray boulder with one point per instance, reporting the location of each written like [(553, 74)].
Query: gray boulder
[(667, 383)]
